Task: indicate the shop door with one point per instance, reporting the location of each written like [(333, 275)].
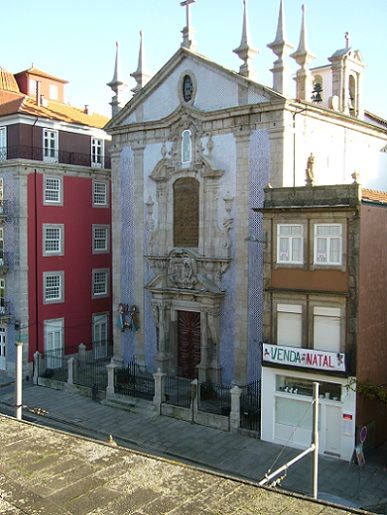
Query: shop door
[(3, 339), (188, 338), (332, 430)]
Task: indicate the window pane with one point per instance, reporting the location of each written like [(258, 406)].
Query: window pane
[(289, 329)]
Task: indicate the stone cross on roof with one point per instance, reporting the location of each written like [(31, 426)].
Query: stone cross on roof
[(187, 36)]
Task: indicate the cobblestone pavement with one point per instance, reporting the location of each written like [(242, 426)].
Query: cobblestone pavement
[(140, 428)]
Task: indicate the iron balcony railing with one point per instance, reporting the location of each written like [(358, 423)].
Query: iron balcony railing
[(50, 156)]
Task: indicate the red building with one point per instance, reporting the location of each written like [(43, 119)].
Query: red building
[(55, 236)]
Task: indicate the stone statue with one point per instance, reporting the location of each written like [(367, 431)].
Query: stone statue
[(310, 170)]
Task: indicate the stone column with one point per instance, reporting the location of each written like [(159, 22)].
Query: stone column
[(110, 376), (70, 371), (203, 365), (37, 356), (159, 390), (163, 355), (235, 413), (240, 298), (116, 244), (82, 352), (139, 224)]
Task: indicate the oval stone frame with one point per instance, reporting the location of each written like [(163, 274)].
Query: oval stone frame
[(187, 87)]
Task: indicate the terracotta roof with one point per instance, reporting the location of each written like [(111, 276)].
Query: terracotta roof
[(40, 73), (374, 196), (18, 103), (8, 81)]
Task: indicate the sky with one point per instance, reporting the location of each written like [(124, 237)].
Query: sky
[(75, 39)]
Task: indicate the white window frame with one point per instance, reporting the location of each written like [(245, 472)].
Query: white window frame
[(101, 244), (317, 259), (54, 334), (97, 152), (2, 253), (329, 315), (53, 195), (49, 289), (97, 283), (100, 334), (50, 145), (59, 247), (100, 198), (294, 312), (290, 239), (3, 143)]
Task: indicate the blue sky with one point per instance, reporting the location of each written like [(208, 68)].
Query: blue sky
[(75, 39)]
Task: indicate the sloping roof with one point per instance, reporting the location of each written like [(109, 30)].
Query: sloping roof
[(8, 81), (48, 471), (18, 103), (40, 73), (374, 196)]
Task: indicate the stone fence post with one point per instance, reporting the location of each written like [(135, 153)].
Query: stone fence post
[(159, 396), (37, 357), (70, 371), (110, 380), (235, 413), (82, 352), (194, 399)]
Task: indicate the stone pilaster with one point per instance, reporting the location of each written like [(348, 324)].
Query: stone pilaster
[(242, 138), (138, 213)]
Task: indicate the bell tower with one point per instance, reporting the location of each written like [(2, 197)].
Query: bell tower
[(347, 77)]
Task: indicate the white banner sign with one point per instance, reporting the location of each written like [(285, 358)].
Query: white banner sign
[(307, 358)]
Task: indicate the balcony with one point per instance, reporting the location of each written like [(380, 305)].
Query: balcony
[(60, 156)]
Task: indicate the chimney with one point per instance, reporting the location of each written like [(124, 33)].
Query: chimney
[(86, 109), (38, 95)]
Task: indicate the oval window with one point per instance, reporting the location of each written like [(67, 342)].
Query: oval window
[(187, 88)]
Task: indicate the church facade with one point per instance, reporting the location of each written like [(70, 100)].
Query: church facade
[(192, 152)]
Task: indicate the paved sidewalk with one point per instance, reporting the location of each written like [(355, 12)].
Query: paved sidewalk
[(210, 448)]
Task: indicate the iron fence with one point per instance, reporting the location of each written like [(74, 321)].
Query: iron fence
[(90, 373), (214, 398), (53, 365), (134, 381), (177, 391), (250, 406)]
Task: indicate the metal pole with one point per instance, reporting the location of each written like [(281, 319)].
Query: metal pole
[(286, 466), (315, 441), (18, 380)]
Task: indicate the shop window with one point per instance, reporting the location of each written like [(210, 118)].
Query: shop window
[(327, 323), (328, 244), (289, 243), (300, 386), (289, 325), (186, 212)]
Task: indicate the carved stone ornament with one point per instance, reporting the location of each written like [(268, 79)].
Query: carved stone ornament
[(182, 270)]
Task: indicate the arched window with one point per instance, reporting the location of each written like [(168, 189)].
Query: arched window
[(186, 147), (317, 88), (186, 212), (352, 94)]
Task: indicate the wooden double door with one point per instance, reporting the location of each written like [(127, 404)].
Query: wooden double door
[(188, 343)]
